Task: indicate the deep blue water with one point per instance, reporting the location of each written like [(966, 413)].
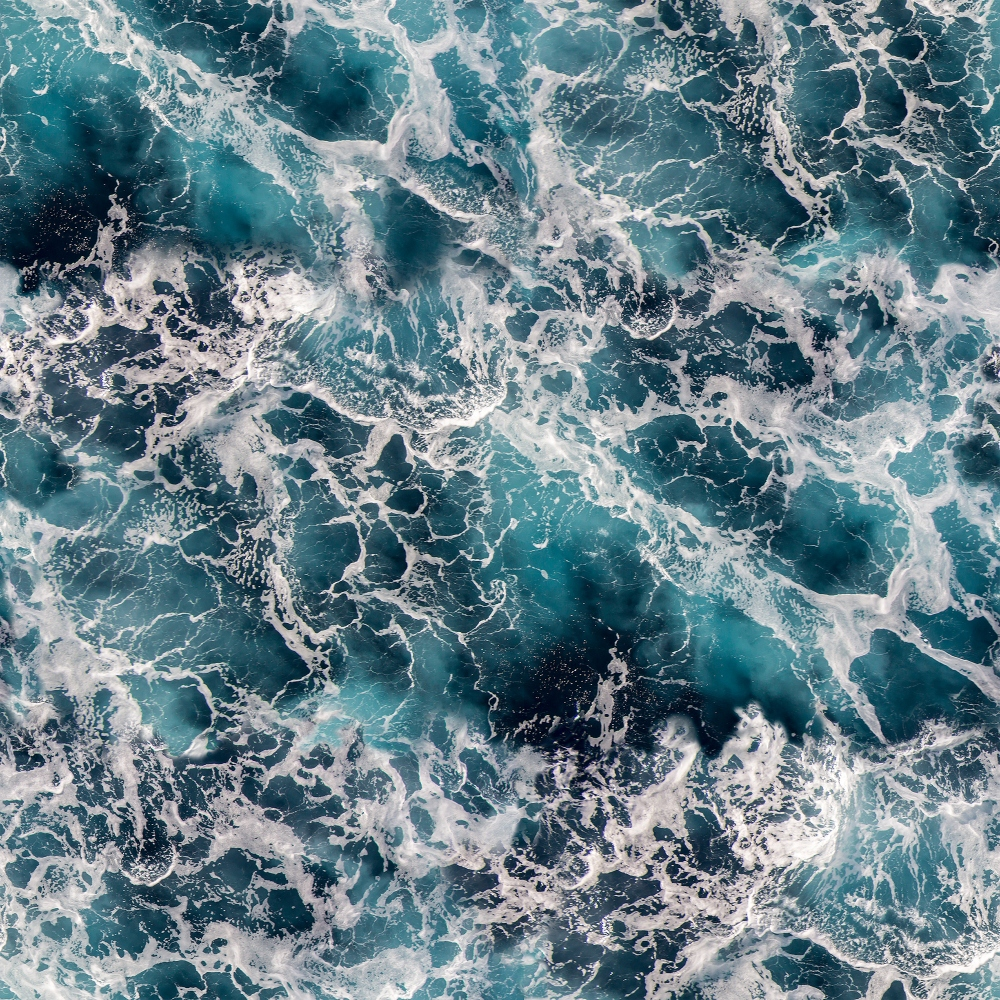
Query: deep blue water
[(499, 499)]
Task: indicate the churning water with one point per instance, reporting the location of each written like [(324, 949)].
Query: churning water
[(499, 499)]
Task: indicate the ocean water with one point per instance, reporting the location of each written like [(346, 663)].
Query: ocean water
[(499, 499)]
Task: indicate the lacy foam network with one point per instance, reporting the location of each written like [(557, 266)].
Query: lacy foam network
[(499, 499)]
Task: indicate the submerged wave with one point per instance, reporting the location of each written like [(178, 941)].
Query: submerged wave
[(499, 499)]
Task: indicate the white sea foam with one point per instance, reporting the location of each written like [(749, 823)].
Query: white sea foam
[(817, 815)]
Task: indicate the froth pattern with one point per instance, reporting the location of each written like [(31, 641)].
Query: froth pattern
[(498, 499)]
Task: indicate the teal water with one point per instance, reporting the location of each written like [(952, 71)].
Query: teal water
[(499, 499)]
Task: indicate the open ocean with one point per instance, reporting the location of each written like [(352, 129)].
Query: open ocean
[(499, 499)]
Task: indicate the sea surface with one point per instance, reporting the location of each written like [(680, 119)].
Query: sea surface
[(499, 499)]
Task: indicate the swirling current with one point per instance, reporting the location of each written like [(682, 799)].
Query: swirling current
[(499, 499)]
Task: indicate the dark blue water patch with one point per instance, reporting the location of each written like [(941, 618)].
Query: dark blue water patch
[(413, 234), (233, 37), (177, 710), (908, 689), (307, 418), (73, 409), (968, 549), (225, 202), (956, 633), (482, 114), (968, 985), (706, 471), (893, 13), (734, 661), (907, 47), (670, 251), (99, 574), (333, 90), (745, 344), (943, 406), (866, 200), (165, 980), (20, 870), (421, 24), (71, 149), (157, 600), (323, 550), (788, 368), (549, 672), (948, 221), (34, 469), (626, 371), (126, 918), (708, 661), (121, 428), (603, 117), (885, 102), (804, 964), (562, 679), (595, 971), (93, 150), (834, 544), (572, 52), (963, 351), (824, 94), (978, 459), (922, 468)]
